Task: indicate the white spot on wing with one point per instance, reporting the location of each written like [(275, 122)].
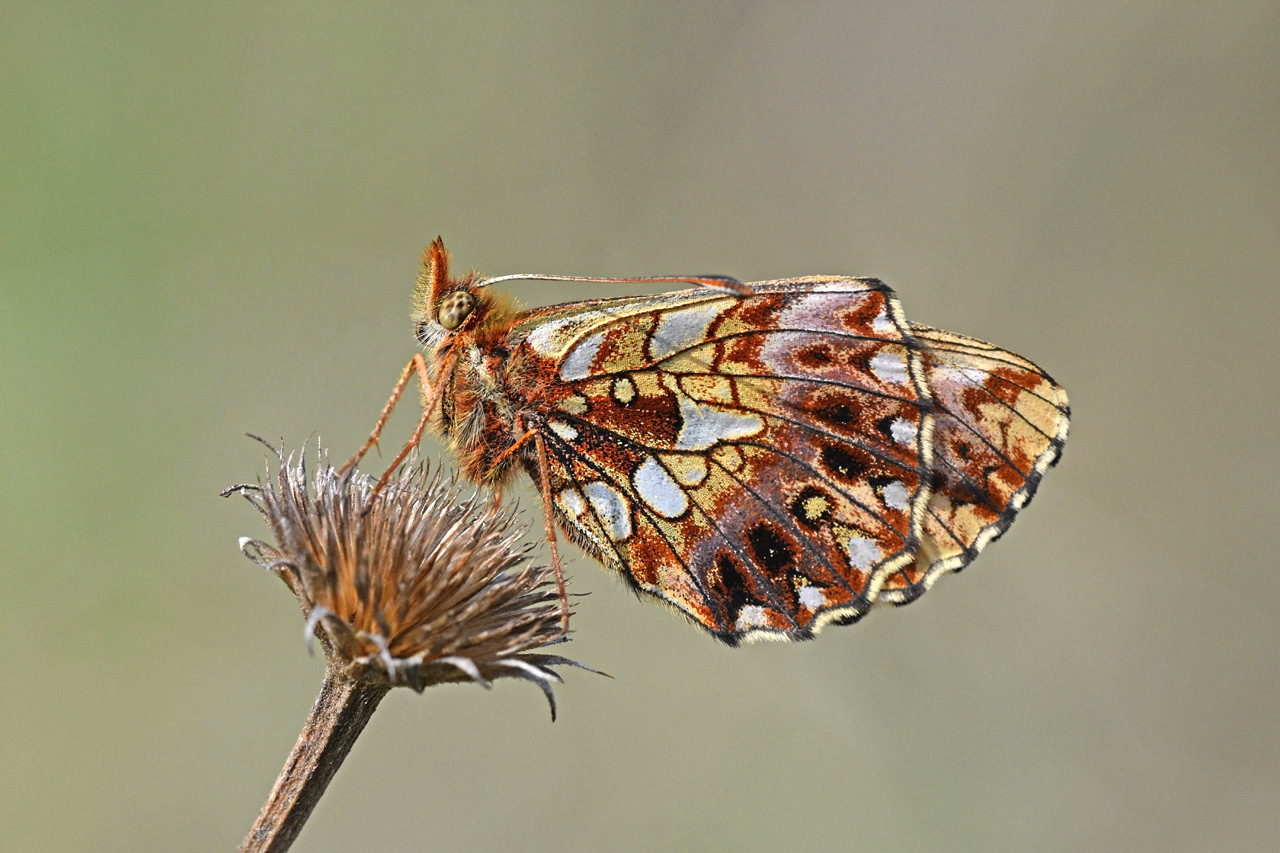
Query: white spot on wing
[(659, 490), (611, 509), (553, 337), (889, 367), (545, 339), (678, 329), (818, 311), (577, 364), (952, 375), (705, 426), (896, 495), (811, 597), (882, 323), (863, 553), (574, 506), (903, 431), (624, 390), (751, 616), (572, 503), (564, 430)]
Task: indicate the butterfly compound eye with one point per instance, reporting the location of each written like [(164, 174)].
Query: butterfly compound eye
[(455, 308)]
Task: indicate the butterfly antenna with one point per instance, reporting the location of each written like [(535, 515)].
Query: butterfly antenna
[(715, 282)]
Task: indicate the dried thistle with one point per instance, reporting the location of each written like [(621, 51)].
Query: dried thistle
[(414, 585)]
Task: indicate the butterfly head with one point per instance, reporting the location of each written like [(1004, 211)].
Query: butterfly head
[(448, 311), (443, 307)]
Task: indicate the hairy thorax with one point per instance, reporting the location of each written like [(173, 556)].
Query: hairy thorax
[(487, 408)]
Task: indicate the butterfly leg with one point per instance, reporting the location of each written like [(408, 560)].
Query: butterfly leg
[(497, 484), (545, 487), (545, 477), (417, 364), (520, 442), (433, 399)]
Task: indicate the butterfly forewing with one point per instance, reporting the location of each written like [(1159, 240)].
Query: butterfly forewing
[(1000, 422), (761, 462)]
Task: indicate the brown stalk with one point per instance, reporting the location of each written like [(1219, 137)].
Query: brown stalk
[(340, 713)]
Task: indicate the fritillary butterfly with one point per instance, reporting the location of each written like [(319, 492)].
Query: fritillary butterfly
[(766, 458)]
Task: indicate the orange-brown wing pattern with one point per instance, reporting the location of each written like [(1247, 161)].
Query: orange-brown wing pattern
[(760, 462), (766, 458), (999, 423)]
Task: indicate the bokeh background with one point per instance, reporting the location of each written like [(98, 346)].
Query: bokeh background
[(210, 219)]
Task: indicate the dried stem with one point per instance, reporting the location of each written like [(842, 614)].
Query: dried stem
[(413, 585), (341, 711)]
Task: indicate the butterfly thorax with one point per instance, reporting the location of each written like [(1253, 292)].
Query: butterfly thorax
[(485, 402)]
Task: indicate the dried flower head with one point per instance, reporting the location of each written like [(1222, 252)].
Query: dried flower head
[(414, 585)]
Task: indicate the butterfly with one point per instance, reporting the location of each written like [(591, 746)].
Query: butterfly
[(766, 458)]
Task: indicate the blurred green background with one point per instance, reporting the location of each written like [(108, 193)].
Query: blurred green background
[(210, 219)]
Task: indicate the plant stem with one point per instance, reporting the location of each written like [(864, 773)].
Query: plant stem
[(341, 711)]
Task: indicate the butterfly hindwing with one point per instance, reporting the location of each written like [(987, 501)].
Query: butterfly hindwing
[(1000, 422)]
